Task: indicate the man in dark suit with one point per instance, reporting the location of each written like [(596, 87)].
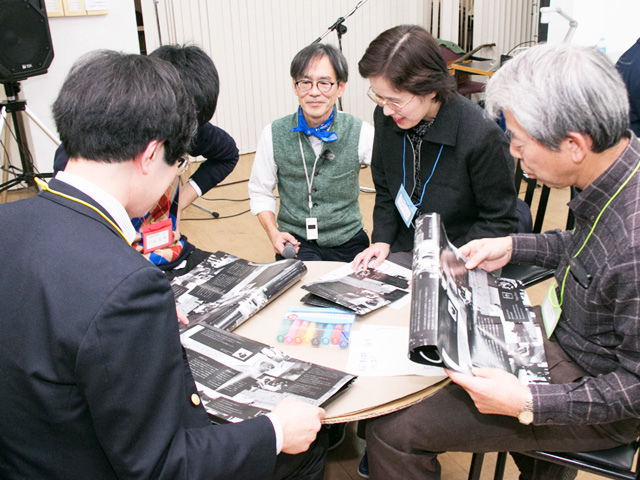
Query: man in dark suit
[(94, 381), (629, 67)]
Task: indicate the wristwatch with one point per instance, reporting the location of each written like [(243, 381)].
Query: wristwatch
[(525, 416)]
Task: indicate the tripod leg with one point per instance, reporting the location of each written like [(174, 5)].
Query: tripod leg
[(14, 107), (47, 132), (5, 157), (23, 149)]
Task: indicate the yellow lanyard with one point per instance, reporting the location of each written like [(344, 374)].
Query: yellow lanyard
[(46, 187), (564, 279)]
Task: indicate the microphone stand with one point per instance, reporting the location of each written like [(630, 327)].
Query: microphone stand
[(340, 29), (155, 4)]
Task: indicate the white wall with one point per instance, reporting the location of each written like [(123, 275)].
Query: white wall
[(72, 37), (252, 43), (615, 20), (507, 23)]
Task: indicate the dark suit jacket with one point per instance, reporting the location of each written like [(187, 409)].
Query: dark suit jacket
[(93, 379)]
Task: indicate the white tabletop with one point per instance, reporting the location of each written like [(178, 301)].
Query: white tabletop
[(368, 396)]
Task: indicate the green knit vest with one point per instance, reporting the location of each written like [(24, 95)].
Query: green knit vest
[(335, 187)]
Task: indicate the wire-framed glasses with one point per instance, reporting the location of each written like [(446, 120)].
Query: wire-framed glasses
[(382, 102), (183, 164), (324, 86)]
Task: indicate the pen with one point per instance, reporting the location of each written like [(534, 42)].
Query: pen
[(284, 329), (328, 333), (288, 339), (316, 341), (344, 341), (310, 334), (337, 334), (302, 331)]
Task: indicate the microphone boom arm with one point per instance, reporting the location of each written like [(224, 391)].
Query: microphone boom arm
[(338, 25)]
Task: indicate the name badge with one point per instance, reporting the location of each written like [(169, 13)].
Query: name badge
[(157, 235), (405, 206), (312, 228), (551, 310)]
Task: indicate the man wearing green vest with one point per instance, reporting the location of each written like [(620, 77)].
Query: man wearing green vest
[(314, 156)]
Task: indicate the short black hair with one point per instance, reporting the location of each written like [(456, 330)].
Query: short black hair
[(409, 58), (198, 73), (113, 104), (315, 51)]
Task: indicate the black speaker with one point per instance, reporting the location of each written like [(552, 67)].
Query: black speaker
[(25, 40)]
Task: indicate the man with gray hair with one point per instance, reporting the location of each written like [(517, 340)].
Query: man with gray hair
[(566, 111), (314, 157)]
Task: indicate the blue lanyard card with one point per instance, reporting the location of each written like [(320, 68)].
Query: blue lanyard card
[(405, 207)]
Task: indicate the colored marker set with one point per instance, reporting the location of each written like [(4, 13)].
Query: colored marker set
[(316, 326)]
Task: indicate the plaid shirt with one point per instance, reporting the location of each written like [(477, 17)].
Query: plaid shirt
[(600, 325)]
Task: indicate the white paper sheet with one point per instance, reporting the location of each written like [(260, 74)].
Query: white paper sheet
[(381, 350)]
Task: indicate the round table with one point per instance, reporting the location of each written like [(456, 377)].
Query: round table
[(368, 396)]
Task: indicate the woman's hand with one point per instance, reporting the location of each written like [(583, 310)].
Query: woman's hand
[(379, 250)]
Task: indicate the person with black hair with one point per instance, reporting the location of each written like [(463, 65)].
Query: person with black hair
[(95, 382), (314, 157), (434, 150), (200, 78)]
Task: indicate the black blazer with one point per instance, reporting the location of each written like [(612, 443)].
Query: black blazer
[(93, 380)]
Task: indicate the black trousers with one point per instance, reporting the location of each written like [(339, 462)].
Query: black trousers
[(310, 250), (308, 465)]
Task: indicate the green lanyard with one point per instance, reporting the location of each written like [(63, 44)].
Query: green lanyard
[(564, 279)]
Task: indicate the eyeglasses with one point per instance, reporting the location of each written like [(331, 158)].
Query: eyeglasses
[(379, 101), (183, 164), (324, 86)]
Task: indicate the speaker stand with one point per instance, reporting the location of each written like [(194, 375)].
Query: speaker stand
[(13, 109)]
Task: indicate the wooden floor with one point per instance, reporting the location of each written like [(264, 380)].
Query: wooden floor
[(238, 232)]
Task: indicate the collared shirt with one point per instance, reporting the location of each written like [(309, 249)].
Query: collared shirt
[(264, 176), (600, 325), (107, 201)]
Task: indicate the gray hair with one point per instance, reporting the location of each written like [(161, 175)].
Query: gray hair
[(552, 90)]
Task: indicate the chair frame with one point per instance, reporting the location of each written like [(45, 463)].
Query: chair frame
[(621, 462), (466, 86), (528, 196), (530, 274)]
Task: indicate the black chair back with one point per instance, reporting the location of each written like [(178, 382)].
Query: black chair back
[(618, 463)]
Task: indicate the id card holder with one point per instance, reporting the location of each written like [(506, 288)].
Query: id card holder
[(405, 207), (312, 228), (551, 310), (157, 235)]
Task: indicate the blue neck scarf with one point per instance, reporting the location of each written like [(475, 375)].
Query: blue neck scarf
[(322, 132)]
